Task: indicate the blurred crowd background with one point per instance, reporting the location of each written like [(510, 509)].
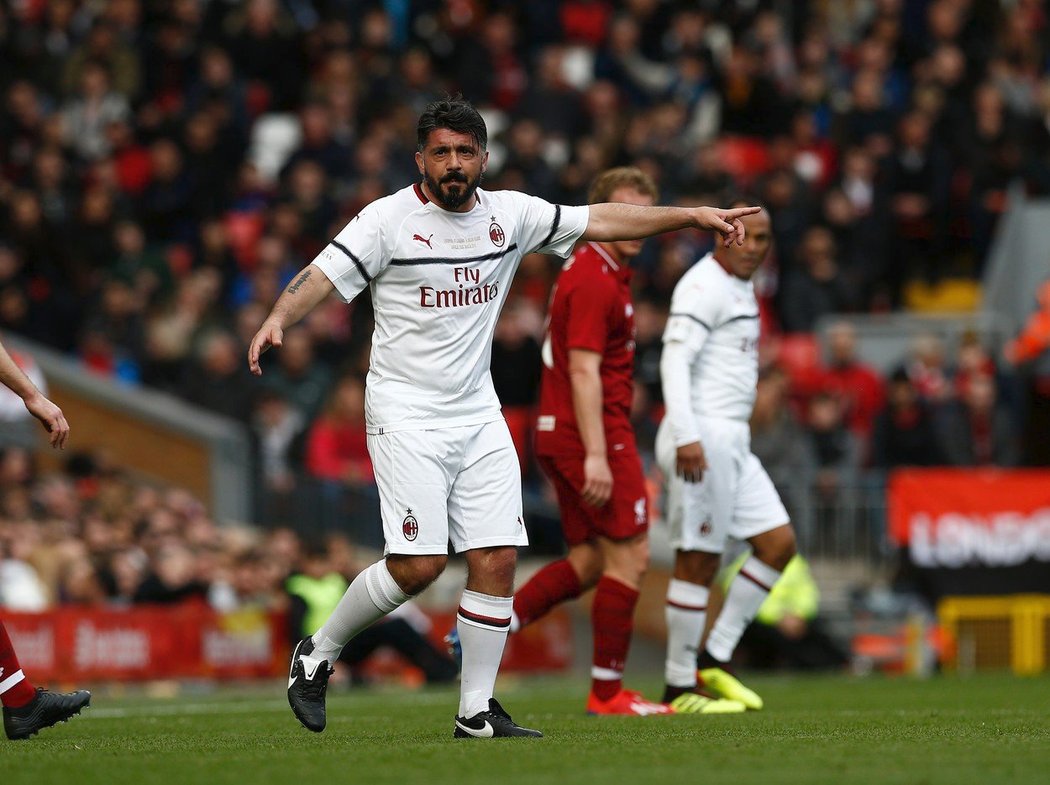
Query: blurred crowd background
[(166, 166)]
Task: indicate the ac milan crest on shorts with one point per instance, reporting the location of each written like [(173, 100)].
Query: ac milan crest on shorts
[(410, 526)]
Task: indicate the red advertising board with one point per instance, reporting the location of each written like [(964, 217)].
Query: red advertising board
[(187, 641), (974, 531), (192, 641)]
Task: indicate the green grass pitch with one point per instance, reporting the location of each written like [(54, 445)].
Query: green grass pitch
[(983, 730)]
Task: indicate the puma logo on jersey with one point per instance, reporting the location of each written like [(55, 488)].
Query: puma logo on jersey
[(423, 239)]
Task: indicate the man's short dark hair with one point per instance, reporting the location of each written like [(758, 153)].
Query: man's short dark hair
[(900, 375), (456, 114)]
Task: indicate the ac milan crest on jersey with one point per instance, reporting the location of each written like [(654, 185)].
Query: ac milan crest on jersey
[(410, 526), (496, 234)]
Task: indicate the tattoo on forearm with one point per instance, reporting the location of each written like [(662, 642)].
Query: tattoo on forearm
[(299, 282)]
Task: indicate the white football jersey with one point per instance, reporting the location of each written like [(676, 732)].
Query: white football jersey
[(714, 320), (438, 281)]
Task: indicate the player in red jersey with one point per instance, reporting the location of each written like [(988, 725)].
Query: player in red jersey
[(585, 444), (28, 709)]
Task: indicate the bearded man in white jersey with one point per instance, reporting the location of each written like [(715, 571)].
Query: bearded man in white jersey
[(716, 487), (438, 258)]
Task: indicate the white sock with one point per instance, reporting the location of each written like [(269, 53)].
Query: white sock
[(483, 622), (686, 613), (371, 596), (515, 622), (746, 594), (10, 681)]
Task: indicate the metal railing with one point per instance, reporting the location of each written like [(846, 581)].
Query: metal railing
[(315, 509), (847, 522), (847, 525)]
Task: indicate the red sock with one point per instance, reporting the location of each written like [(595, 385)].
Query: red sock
[(17, 694), (555, 583), (612, 619)]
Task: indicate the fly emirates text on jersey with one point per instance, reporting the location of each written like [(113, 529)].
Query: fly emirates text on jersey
[(468, 291)]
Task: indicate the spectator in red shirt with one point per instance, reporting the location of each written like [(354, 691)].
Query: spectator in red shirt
[(972, 360), (857, 386), (905, 432), (336, 448), (928, 369)]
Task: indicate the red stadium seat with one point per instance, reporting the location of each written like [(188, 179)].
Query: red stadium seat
[(244, 230), (799, 355), (744, 157)]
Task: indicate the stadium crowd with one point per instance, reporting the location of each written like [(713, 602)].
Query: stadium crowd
[(92, 535), (166, 167)]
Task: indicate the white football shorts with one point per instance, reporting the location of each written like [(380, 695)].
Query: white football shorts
[(735, 498), (461, 484)]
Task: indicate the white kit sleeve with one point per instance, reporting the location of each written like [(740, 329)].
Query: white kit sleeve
[(550, 228), (356, 255), (694, 313)]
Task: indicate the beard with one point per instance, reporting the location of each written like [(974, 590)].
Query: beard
[(453, 190)]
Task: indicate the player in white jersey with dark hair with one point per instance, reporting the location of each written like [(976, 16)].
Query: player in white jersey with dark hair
[(716, 487), (438, 258)]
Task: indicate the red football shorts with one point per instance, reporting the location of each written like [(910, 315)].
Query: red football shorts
[(625, 515)]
